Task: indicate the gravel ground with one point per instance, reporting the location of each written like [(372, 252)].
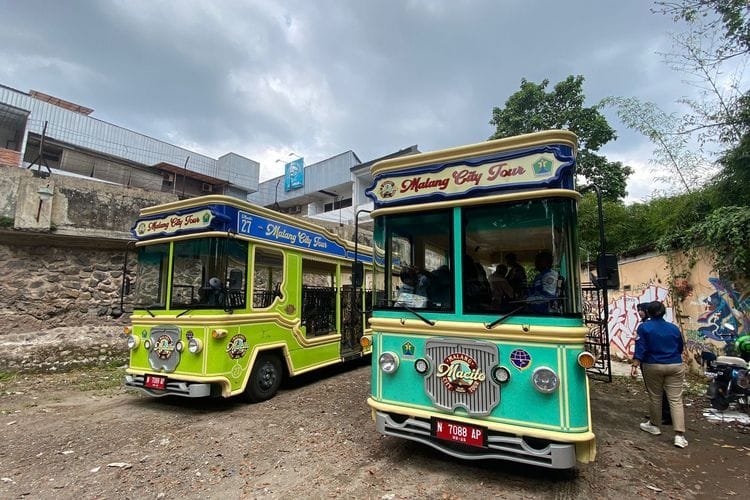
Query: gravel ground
[(81, 435)]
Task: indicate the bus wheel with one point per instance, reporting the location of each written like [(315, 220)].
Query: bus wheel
[(265, 379)]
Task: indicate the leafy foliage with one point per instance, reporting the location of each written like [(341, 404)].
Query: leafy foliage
[(533, 109), (726, 233)]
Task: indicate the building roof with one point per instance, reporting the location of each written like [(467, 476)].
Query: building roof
[(411, 150), (174, 169)]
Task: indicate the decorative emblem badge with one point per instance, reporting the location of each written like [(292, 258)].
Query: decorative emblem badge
[(520, 359), (460, 373), (237, 346), (387, 189), (543, 166), (407, 350), (163, 353), (164, 346)]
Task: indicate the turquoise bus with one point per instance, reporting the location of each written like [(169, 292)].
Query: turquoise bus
[(478, 328)]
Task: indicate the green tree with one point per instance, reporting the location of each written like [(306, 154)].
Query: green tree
[(533, 108)]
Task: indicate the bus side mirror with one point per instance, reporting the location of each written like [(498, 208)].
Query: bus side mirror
[(608, 272), (358, 274)]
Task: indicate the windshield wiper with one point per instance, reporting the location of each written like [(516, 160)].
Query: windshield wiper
[(415, 313), (183, 312), (502, 318)]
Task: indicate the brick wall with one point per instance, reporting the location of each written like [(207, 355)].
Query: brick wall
[(9, 158)]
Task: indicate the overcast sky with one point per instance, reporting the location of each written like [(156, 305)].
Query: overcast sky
[(316, 78)]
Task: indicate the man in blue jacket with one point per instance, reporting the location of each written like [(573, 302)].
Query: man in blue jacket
[(658, 351)]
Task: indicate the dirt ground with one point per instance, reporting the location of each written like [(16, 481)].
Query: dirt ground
[(81, 435)]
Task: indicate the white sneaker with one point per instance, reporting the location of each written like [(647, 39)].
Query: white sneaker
[(680, 441), (652, 429)]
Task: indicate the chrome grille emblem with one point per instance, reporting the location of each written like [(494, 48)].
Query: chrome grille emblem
[(459, 377)]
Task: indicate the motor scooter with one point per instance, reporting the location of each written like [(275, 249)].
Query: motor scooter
[(730, 381)]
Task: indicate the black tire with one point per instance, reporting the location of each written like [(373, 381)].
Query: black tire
[(720, 403), (265, 379)]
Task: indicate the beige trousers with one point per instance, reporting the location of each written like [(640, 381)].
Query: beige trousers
[(667, 378)]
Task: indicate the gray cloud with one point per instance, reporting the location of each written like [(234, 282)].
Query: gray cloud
[(322, 77)]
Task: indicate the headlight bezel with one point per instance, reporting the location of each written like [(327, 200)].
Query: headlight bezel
[(544, 388), (394, 360), (133, 342), (194, 346)]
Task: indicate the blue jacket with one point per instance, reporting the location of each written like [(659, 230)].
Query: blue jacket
[(658, 342)]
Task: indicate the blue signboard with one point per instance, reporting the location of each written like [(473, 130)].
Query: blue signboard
[(217, 217), (294, 174), (271, 230)]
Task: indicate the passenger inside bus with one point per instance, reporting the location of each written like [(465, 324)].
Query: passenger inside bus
[(546, 284), (502, 292), (215, 294), (413, 289)]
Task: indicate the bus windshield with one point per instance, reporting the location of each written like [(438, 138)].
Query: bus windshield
[(151, 280), (516, 257), (419, 258), (519, 256), (209, 273)]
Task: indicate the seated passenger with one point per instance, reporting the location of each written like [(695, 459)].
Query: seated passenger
[(477, 294), (516, 276), (502, 292), (411, 293), (440, 287), (545, 285), (216, 294)]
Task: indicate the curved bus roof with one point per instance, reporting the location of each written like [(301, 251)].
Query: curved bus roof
[(542, 160), (217, 213)]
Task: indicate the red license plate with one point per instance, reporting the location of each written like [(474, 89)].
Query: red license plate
[(470, 435), (154, 382)]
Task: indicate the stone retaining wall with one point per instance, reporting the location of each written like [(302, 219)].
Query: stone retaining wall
[(44, 287)]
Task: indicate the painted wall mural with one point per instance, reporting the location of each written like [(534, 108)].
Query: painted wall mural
[(624, 319), (727, 314)]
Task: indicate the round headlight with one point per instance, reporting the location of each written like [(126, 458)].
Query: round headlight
[(195, 346), (388, 362), (179, 346), (545, 380), (147, 344), (500, 374), (421, 365), (133, 342)]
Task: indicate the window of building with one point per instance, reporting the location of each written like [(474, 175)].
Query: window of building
[(329, 207)]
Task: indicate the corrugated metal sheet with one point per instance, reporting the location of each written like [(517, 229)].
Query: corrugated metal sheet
[(87, 132)]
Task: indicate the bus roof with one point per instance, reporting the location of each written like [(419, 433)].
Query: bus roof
[(531, 161), (226, 214)]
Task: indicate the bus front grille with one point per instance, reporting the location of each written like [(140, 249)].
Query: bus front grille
[(476, 391)]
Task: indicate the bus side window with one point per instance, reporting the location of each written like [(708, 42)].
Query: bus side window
[(268, 273), (318, 297)]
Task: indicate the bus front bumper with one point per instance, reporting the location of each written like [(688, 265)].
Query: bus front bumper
[(172, 387), (499, 445)]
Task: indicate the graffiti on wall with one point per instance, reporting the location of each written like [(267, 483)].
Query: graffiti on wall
[(727, 314), (624, 319)]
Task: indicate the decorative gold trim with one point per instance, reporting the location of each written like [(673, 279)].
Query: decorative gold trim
[(479, 149), (238, 320), (498, 198), (535, 334), (565, 437)]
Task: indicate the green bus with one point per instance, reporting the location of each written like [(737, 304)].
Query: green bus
[(230, 298)]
